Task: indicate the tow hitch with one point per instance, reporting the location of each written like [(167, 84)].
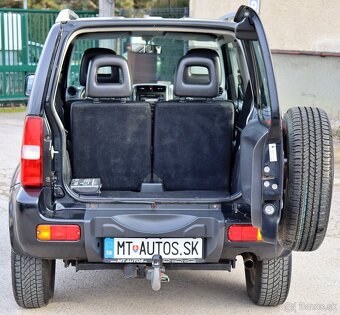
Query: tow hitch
[(156, 273)]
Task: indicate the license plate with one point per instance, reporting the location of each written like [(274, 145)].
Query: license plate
[(145, 248)]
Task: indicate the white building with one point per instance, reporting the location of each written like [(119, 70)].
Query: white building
[(304, 37)]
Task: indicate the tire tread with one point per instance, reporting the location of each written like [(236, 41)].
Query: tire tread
[(272, 281), (310, 179), (32, 280)]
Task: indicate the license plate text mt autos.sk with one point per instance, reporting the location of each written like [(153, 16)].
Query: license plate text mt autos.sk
[(145, 248)]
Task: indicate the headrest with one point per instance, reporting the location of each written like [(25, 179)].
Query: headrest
[(185, 86), (204, 52), (97, 89), (88, 55)]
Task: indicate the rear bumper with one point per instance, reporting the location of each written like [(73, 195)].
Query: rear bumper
[(25, 213), (97, 221)]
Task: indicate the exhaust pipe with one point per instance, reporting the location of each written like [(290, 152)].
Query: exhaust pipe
[(248, 261)]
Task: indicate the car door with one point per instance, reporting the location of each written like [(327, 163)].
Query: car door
[(261, 139)]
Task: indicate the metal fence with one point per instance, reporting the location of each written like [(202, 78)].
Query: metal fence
[(22, 35)]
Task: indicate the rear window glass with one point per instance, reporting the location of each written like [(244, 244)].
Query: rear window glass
[(151, 59)]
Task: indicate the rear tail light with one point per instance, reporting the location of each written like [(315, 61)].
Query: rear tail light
[(244, 233), (32, 152), (46, 232)]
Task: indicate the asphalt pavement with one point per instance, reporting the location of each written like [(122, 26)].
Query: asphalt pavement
[(315, 286)]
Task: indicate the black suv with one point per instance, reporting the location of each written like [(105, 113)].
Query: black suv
[(158, 144)]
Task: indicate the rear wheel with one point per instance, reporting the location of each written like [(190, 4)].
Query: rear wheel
[(309, 182), (32, 280), (268, 281)]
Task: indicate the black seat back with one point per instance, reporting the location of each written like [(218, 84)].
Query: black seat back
[(193, 138), (111, 139), (88, 55)]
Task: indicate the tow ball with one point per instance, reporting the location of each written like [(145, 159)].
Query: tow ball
[(156, 273)]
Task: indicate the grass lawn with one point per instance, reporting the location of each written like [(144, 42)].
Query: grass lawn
[(12, 109)]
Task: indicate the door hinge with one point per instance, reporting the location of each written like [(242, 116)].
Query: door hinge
[(58, 191)]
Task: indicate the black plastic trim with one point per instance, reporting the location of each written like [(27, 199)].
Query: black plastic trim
[(186, 266), (27, 209)]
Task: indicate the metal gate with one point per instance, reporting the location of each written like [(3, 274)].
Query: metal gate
[(22, 35)]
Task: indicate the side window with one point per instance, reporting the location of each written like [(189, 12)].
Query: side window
[(262, 89), (234, 79)]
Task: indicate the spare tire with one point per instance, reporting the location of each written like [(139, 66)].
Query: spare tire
[(308, 178)]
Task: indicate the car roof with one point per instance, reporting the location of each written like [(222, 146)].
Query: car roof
[(149, 22)]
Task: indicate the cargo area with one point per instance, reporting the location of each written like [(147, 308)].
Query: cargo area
[(184, 151), (151, 139)]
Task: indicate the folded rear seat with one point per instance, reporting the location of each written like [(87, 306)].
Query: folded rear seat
[(193, 138), (112, 77), (111, 139)]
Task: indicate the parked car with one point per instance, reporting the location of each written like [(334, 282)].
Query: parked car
[(151, 174)]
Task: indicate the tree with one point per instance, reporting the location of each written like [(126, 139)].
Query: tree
[(11, 4), (93, 4), (42, 4), (124, 4)]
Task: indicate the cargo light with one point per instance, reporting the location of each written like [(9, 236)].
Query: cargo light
[(244, 233), (32, 152), (47, 232)]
